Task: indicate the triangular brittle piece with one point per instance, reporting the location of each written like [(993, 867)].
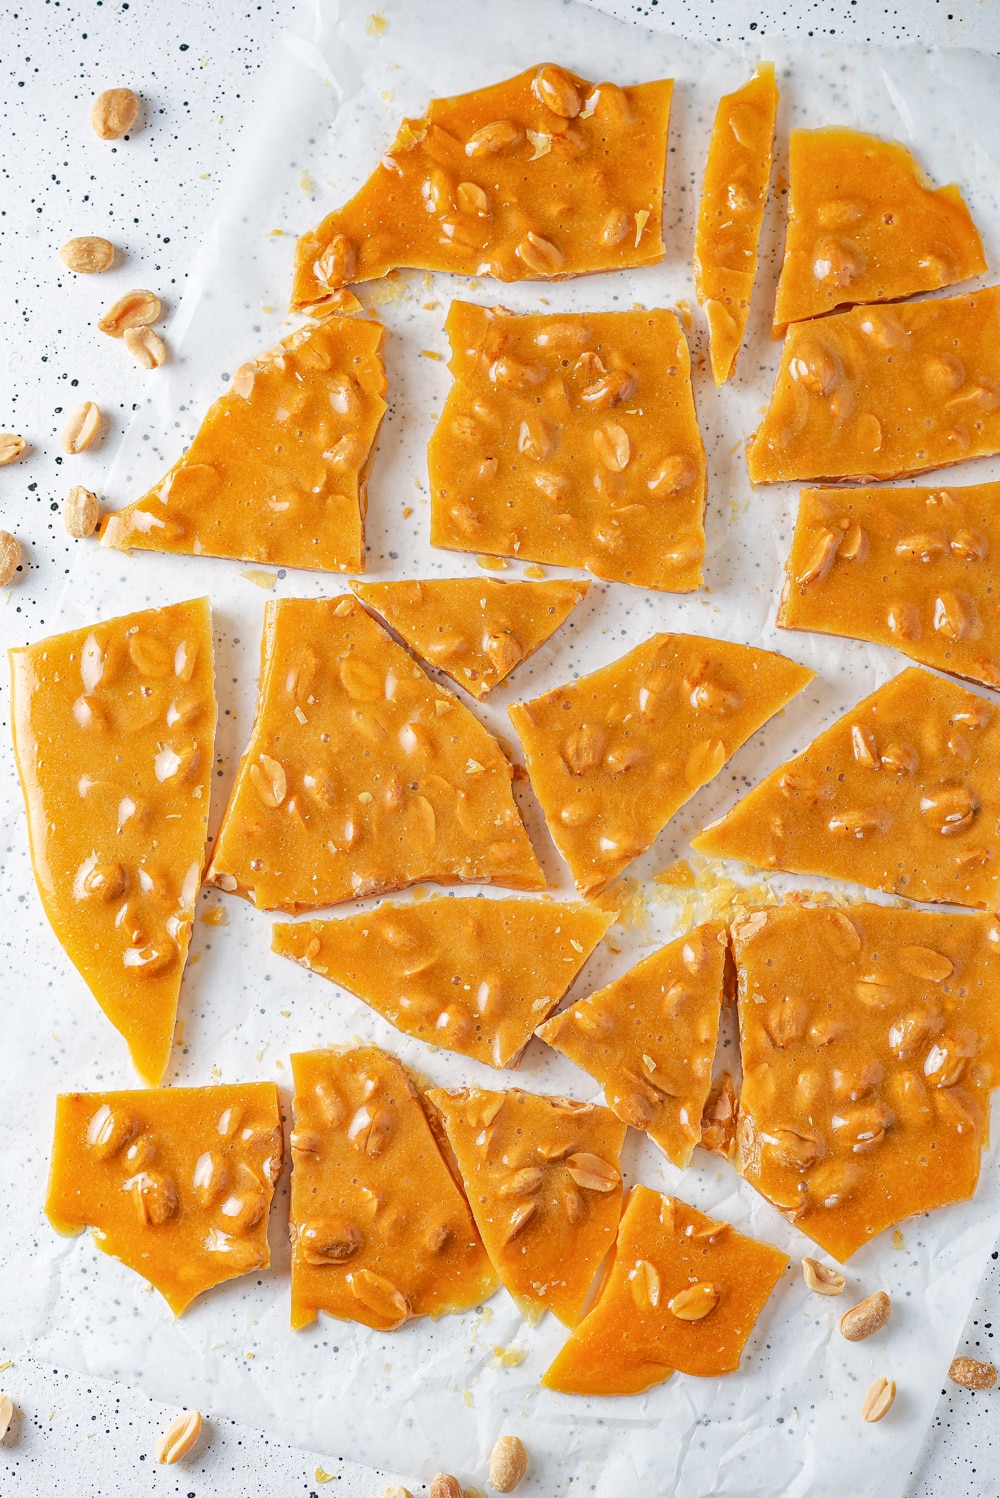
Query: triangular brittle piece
[(473, 976), (612, 756), (870, 1041), (731, 211), (176, 1182), (901, 794), (380, 1231), (572, 439), (475, 630), (278, 471), (882, 392), (649, 1038), (543, 175), (543, 1178), (114, 729), (361, 775), (865, 225), (914, 568), (682, 1294)]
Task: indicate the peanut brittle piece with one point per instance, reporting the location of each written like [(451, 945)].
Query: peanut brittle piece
[(914, 568), (901, 794), (278, 470), (176, 1182), (475, 630), (572, 439), (731, 211), (682, 1294), (882, 392), (543, 1178), (865, 225), (541, 176), (473, 976), (649, 1038), (114, 729), (612, 756), (870, 1042), (380, 1231), (361, 775)]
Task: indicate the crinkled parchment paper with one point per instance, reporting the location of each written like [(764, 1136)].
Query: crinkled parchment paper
[(437, 1395)]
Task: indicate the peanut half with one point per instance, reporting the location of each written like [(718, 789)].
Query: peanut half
[(82, 426), (970, 1374), (146, 346), (878, 1401), (866, 1318), (11, 447), (821, 1279), (10, 557), (136, 309), (397, 1491), (508, 1464), (81, 512), (6, 1414), (88, 255), (180, 1437), (114, 113)]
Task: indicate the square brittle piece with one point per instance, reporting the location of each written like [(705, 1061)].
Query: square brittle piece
[(543, 175), (870, 1041), (572, 439), (649, 1038), (613, 755), (901, 794), (175, 1181), (543, 1178), (278, 469), (380, 1231), (914, 568), (682, 1294), (361, 775)]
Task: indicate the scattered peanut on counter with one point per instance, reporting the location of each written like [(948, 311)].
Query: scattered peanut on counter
[(88, 255), (136, 309), (866, 1318), (821, 1279), (114, 113), (11, 447), (180, 1437), (82, 426), (970, 1374), (878, 1401), (446, 1486), (10, 557), (81, 512), (508, 1464), (146, 346), (6, 1414)]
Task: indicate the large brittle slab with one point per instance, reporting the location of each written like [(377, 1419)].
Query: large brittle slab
[(361, 775), (380, 1231), (914, 568), (901, 794), (613, 755), (176, 1182), (682, 1294), (543, 1178), (870, 1043), (542, 175), (472, 976), (114, 729), (572, 439), (865, 225)]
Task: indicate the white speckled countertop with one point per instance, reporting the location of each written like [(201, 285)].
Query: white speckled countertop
[(198, 65)]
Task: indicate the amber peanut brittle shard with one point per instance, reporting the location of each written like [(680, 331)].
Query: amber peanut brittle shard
[(731, 211), (473, 976), (278, 471), (882, 392), (649, 1038), (475, 630), (682, 1294), (870, 1041), (543, 175), (361, 775), (914, 568), (612, 756), (380, 1231), (901, 794), (865, 225), (114, 728), (176, 1182), (573, 440), (543, 1178)]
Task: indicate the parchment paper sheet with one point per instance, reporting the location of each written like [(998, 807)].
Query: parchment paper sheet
[(438, 1394)]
